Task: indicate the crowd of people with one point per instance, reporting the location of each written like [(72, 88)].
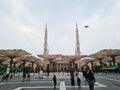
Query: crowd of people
[(89, 77), (87, 74)]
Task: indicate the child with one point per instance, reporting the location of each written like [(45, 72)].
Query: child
[(54, 80), (78, 81)]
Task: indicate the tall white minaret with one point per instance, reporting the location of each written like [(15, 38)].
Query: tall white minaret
[(46, 51), (77, 48)]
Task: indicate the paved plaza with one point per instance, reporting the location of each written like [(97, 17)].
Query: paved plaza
[(103, 82)]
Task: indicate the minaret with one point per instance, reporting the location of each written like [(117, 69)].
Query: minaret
[(77, 49), (46, 51)]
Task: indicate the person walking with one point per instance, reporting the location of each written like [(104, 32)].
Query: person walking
[(24, 76), (24, 73), (72, 79), (54, 80), (91, 80), (28, 76), (78, 81)]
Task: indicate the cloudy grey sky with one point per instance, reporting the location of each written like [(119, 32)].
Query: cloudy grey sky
[(22, 25)]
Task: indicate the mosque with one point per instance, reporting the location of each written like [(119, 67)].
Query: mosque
[(59, 62)]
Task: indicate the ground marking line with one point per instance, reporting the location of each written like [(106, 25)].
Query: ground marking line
[(2, 83), (80, 86), (109, 79), (100, 84), (47, 87), (62, 85), (29, 82), (19, 88)]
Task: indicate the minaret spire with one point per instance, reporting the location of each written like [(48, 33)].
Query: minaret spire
[(46, 51), (77, 49)]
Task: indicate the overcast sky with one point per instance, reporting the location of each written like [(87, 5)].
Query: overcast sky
[(22, 25)]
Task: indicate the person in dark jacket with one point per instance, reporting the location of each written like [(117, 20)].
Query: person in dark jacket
[(54, 80), (78, 81), (72, 79), (24, 76), (91, 80)]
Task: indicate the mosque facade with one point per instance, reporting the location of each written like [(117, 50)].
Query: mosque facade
[(59, 62)]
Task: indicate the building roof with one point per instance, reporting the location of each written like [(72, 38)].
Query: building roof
[(14, 52)]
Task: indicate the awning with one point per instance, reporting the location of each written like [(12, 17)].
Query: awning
[(108, 68)]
